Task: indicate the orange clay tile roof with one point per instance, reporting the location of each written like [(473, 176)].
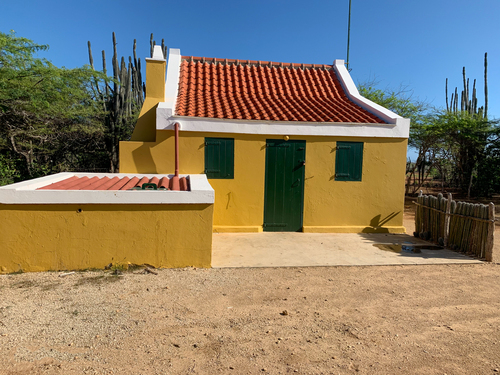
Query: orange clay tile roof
[(256, 90), (115, 183)]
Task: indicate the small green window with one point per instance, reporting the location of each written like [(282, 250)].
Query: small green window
[(219, 157), (349, 161)]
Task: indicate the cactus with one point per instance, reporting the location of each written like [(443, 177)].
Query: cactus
[(122, 99), (468, 103), (152, 45), (485, 85)]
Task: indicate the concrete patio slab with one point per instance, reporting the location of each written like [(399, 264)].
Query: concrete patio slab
[(278, 249)]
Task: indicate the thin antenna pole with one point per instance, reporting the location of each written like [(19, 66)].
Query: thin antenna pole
[(348, 35)]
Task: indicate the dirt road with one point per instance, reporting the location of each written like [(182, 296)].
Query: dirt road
[(331, 320), (317, 320)]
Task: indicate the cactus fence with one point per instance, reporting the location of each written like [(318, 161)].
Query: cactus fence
[(460, 226)]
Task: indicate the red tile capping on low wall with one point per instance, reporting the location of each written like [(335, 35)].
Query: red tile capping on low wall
[(115, 183)]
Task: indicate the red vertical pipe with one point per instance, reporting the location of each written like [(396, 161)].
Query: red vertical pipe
[(176, 149), (174, 182)]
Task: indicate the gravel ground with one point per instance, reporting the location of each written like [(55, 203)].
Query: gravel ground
[(434, 319), (442, 319)]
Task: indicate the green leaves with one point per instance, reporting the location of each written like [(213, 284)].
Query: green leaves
[(57, 119), (16, 52), (402, 103), (8, 170), (466, 138), (456, 145), (41, 105)]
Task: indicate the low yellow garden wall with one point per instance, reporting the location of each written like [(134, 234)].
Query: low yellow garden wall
[(37, 234), (61, 237)]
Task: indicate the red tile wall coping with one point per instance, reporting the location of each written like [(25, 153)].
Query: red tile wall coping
[(260, 90), (115, 183)]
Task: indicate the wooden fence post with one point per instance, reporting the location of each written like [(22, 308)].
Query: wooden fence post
[(418, 215), (447, 220), (491, 233)]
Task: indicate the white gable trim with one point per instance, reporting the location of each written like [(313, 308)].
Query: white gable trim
[(353, 94), (172, 81)]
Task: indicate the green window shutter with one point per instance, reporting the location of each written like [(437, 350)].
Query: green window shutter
[(349, 161), (219, 157)]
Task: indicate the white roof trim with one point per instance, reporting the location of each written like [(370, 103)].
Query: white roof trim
[(172, 81), (379, 111), (25, 192), (211, 125)]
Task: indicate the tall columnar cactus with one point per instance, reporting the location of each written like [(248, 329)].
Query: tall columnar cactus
[(468, 103), (152, 44), (466, 130), (485, 85), (122, 97)]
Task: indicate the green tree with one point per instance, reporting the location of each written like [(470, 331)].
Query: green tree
[(470, 137), (422, 136), (463, 140), (488, 170), (48, 115), (8, 171), (399, 101), (461, 144)]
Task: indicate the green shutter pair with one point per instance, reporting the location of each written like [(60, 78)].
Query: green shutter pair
[(349, 161), (219, 157)]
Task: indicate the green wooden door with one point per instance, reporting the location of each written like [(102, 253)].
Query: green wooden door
[(284, 186)]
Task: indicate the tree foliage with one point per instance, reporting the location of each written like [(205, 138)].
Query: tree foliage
[(463, 140), (468, 134), (422, 138), (460, 144), (56, 119), (399, 101), (488, 171), (48, 115)]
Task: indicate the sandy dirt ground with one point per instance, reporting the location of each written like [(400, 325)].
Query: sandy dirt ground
[(434, 319)]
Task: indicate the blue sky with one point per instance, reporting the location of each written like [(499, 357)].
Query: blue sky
[(417, 44)]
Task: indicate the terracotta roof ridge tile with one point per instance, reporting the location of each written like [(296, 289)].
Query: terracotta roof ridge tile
[(240, 62)]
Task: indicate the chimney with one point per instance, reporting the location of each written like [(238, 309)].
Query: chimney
[(145, 128)]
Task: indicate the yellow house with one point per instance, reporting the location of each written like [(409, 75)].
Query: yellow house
[(286, 147)]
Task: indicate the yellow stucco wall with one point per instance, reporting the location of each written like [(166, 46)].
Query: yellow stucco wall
[(145, 129), (58, 237), (373, 205)]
